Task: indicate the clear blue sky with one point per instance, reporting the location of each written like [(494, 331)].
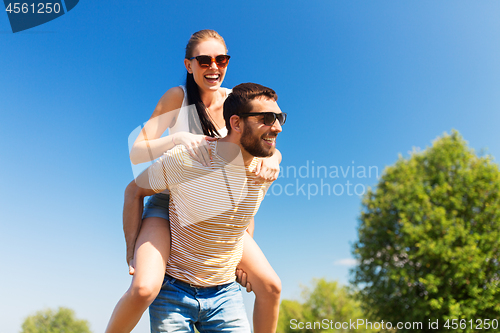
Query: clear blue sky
[(362, 81)]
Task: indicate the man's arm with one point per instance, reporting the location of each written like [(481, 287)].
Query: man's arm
[(241, 276), (132, 217), (251, 227), (133, 207)]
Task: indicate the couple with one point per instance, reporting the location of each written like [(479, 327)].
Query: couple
[(215, 192)]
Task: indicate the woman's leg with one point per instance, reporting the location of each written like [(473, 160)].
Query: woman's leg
[(266, 285), (151, 255)]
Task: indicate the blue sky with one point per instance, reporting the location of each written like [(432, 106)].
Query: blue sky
[(361, 81)]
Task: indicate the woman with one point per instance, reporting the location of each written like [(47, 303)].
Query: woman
[(206, 60)]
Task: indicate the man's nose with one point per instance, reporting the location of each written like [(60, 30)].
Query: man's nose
[(276, 126)]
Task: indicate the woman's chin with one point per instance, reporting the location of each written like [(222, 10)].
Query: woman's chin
[(213, 86)]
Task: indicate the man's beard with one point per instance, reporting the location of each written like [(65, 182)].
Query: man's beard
[(253, 144)]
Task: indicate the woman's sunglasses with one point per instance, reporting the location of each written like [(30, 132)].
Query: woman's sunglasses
[(205, 61), (269, 117)]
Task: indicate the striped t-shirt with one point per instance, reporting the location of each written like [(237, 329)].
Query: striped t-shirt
[(210, 209)]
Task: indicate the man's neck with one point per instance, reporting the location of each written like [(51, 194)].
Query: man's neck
[(231, 148)]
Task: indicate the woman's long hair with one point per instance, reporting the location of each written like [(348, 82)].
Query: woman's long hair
[(193, 91)]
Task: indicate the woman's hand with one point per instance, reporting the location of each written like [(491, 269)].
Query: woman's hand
[(196, 145), (268, 169)]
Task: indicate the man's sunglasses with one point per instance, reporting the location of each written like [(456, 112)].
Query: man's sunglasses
[(269, 117), (206, 61)]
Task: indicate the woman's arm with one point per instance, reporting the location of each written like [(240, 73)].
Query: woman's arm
[(149, 144), (269, 168)]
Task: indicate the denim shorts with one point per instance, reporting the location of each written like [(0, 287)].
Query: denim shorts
[(157, 206), (179, 307)]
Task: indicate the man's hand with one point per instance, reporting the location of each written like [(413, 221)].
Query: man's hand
[(131, 266), (241, 278)]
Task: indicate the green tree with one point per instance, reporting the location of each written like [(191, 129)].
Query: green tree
[(429, 236), (61, 321), (289, 310), (325, 304)]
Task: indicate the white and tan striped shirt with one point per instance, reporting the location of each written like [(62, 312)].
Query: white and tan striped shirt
[(210, 209)]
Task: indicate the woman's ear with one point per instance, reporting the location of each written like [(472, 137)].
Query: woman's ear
[(187, 64)]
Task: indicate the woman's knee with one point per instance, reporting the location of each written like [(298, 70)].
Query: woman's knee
[(274, 285), (144, 291), (269, 287), (132, 191)]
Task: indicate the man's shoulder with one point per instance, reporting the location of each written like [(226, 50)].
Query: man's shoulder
[(179, 151), (181, 156)]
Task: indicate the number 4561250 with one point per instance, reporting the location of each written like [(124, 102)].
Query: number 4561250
[(40, 8), (477, 324)]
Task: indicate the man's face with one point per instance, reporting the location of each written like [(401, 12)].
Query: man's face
[(258, 139)]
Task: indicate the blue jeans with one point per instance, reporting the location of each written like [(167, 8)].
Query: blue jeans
[(179, 307), (157, 206)]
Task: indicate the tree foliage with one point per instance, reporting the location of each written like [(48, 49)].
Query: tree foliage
[(429, 236), (325, 303), (61, 321)]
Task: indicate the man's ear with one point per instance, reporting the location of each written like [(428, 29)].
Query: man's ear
[(187, 64), (236, 123)]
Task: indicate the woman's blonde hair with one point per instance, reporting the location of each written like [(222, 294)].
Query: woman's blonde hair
[(201, 36)]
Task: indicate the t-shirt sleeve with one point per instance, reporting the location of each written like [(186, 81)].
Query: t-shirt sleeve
[(168, 170), (265, 187)]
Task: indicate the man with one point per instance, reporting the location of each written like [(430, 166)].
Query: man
[(210, 210)]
